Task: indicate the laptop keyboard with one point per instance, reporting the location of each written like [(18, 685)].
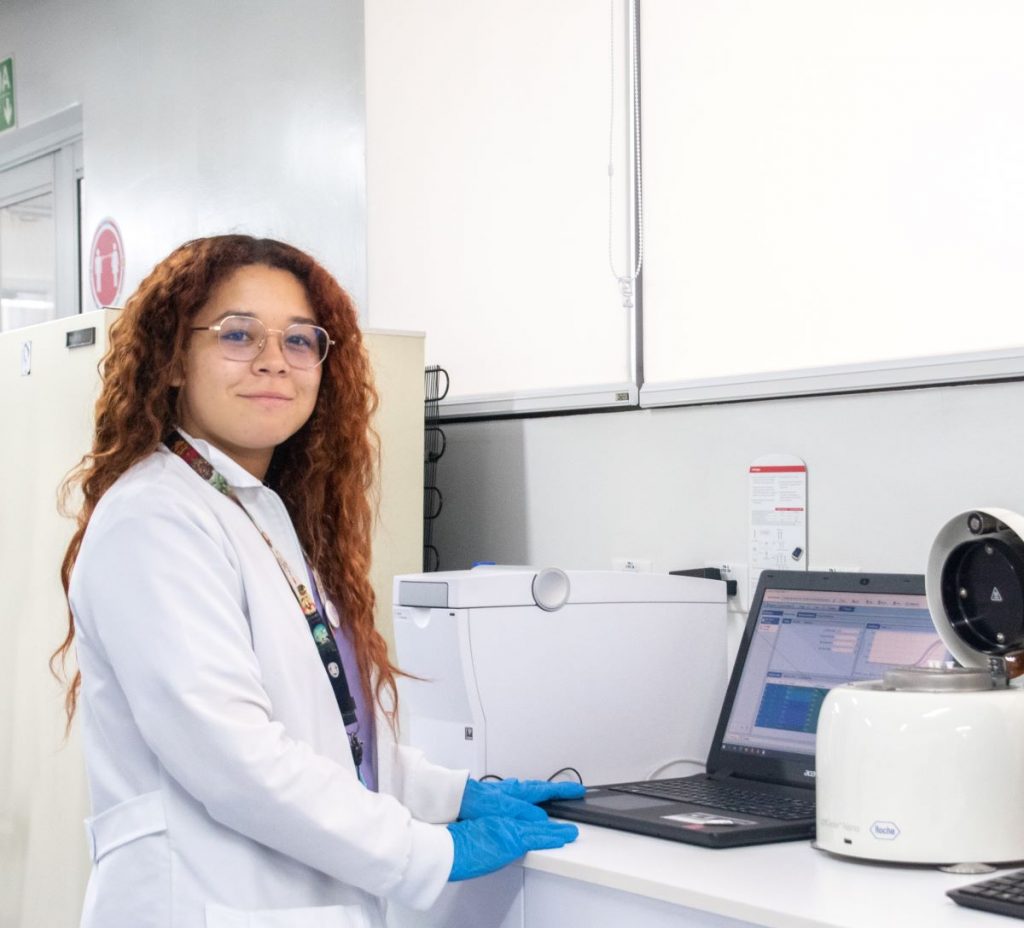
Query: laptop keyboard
[(1002, 894), (725, 796)]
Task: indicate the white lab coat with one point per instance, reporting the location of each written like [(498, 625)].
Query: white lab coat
[(223, 789)]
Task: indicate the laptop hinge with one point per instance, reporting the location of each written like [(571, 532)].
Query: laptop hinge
[(722, 773)]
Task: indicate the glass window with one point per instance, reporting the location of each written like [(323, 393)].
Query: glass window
[(28, 262), (40, 215)]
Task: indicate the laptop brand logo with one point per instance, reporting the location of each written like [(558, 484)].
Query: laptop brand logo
[(885, 831), (811, 773)]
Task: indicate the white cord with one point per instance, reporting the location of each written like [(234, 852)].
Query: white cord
[(626, 283), (672, 763)]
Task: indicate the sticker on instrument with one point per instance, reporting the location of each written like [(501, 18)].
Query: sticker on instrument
[(708, 819)]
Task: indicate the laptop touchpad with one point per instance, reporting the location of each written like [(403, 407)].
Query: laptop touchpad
[(623, 801)]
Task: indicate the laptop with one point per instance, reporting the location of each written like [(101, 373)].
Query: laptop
[(806, 633)]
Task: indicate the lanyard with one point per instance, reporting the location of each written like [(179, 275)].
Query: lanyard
[(324, 640)]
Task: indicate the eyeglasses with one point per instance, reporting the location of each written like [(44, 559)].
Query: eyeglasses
[(242, 338)]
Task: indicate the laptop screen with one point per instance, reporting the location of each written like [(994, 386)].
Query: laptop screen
[(804, 641)]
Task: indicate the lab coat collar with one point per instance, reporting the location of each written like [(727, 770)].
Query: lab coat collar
[(236, 475)]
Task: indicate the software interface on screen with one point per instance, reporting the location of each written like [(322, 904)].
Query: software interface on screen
[(804, 644)]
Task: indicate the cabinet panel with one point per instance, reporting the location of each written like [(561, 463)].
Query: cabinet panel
[(555, 902)]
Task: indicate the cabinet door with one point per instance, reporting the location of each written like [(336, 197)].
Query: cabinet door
[(556, 902), (492, 901)]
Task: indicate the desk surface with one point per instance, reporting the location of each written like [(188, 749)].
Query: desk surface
[(789, 885)]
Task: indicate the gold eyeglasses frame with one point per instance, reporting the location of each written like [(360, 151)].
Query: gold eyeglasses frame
[(326, 341)]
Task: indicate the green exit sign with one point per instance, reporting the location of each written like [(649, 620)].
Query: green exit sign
[(7, 114)]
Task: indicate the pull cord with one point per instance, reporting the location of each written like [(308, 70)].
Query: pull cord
[(626, 282)]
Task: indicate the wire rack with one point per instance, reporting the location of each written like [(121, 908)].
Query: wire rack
[(435, 389)]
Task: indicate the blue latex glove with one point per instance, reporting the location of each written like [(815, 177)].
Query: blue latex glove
[(483, 845), (513, 798)]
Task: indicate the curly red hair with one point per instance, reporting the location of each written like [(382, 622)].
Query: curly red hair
[(325, 473)]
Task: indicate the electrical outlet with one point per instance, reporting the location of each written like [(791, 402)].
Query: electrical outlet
[(641, 565)]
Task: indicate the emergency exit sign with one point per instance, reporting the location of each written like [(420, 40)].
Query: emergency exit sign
[(7, 114)]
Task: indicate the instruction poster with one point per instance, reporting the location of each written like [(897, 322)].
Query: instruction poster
[(778, 515)]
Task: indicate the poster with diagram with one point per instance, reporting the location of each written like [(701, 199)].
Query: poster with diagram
[(778, 515)]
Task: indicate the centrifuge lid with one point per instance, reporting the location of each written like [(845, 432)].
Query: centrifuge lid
[(975, 588)]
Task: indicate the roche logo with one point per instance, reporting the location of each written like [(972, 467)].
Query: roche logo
[(885, 831)]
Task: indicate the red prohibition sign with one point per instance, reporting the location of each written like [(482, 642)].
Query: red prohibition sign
[(106, 264)]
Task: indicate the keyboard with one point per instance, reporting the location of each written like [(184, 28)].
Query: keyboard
[(726, 796), (1001, 894)]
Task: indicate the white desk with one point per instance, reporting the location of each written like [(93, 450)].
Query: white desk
[(787, 885), (608, 879)]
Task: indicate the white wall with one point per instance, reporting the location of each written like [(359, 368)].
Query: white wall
[(205, 117), (885, 471)]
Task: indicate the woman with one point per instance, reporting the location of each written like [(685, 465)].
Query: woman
[(229, 669)]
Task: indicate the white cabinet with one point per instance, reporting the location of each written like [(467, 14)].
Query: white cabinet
[(492, 901), (558, 902)]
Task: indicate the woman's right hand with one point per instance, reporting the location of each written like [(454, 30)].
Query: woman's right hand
[(483, 845), (514, 798)]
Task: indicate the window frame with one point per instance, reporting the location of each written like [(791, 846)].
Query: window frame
[(54, 146)]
